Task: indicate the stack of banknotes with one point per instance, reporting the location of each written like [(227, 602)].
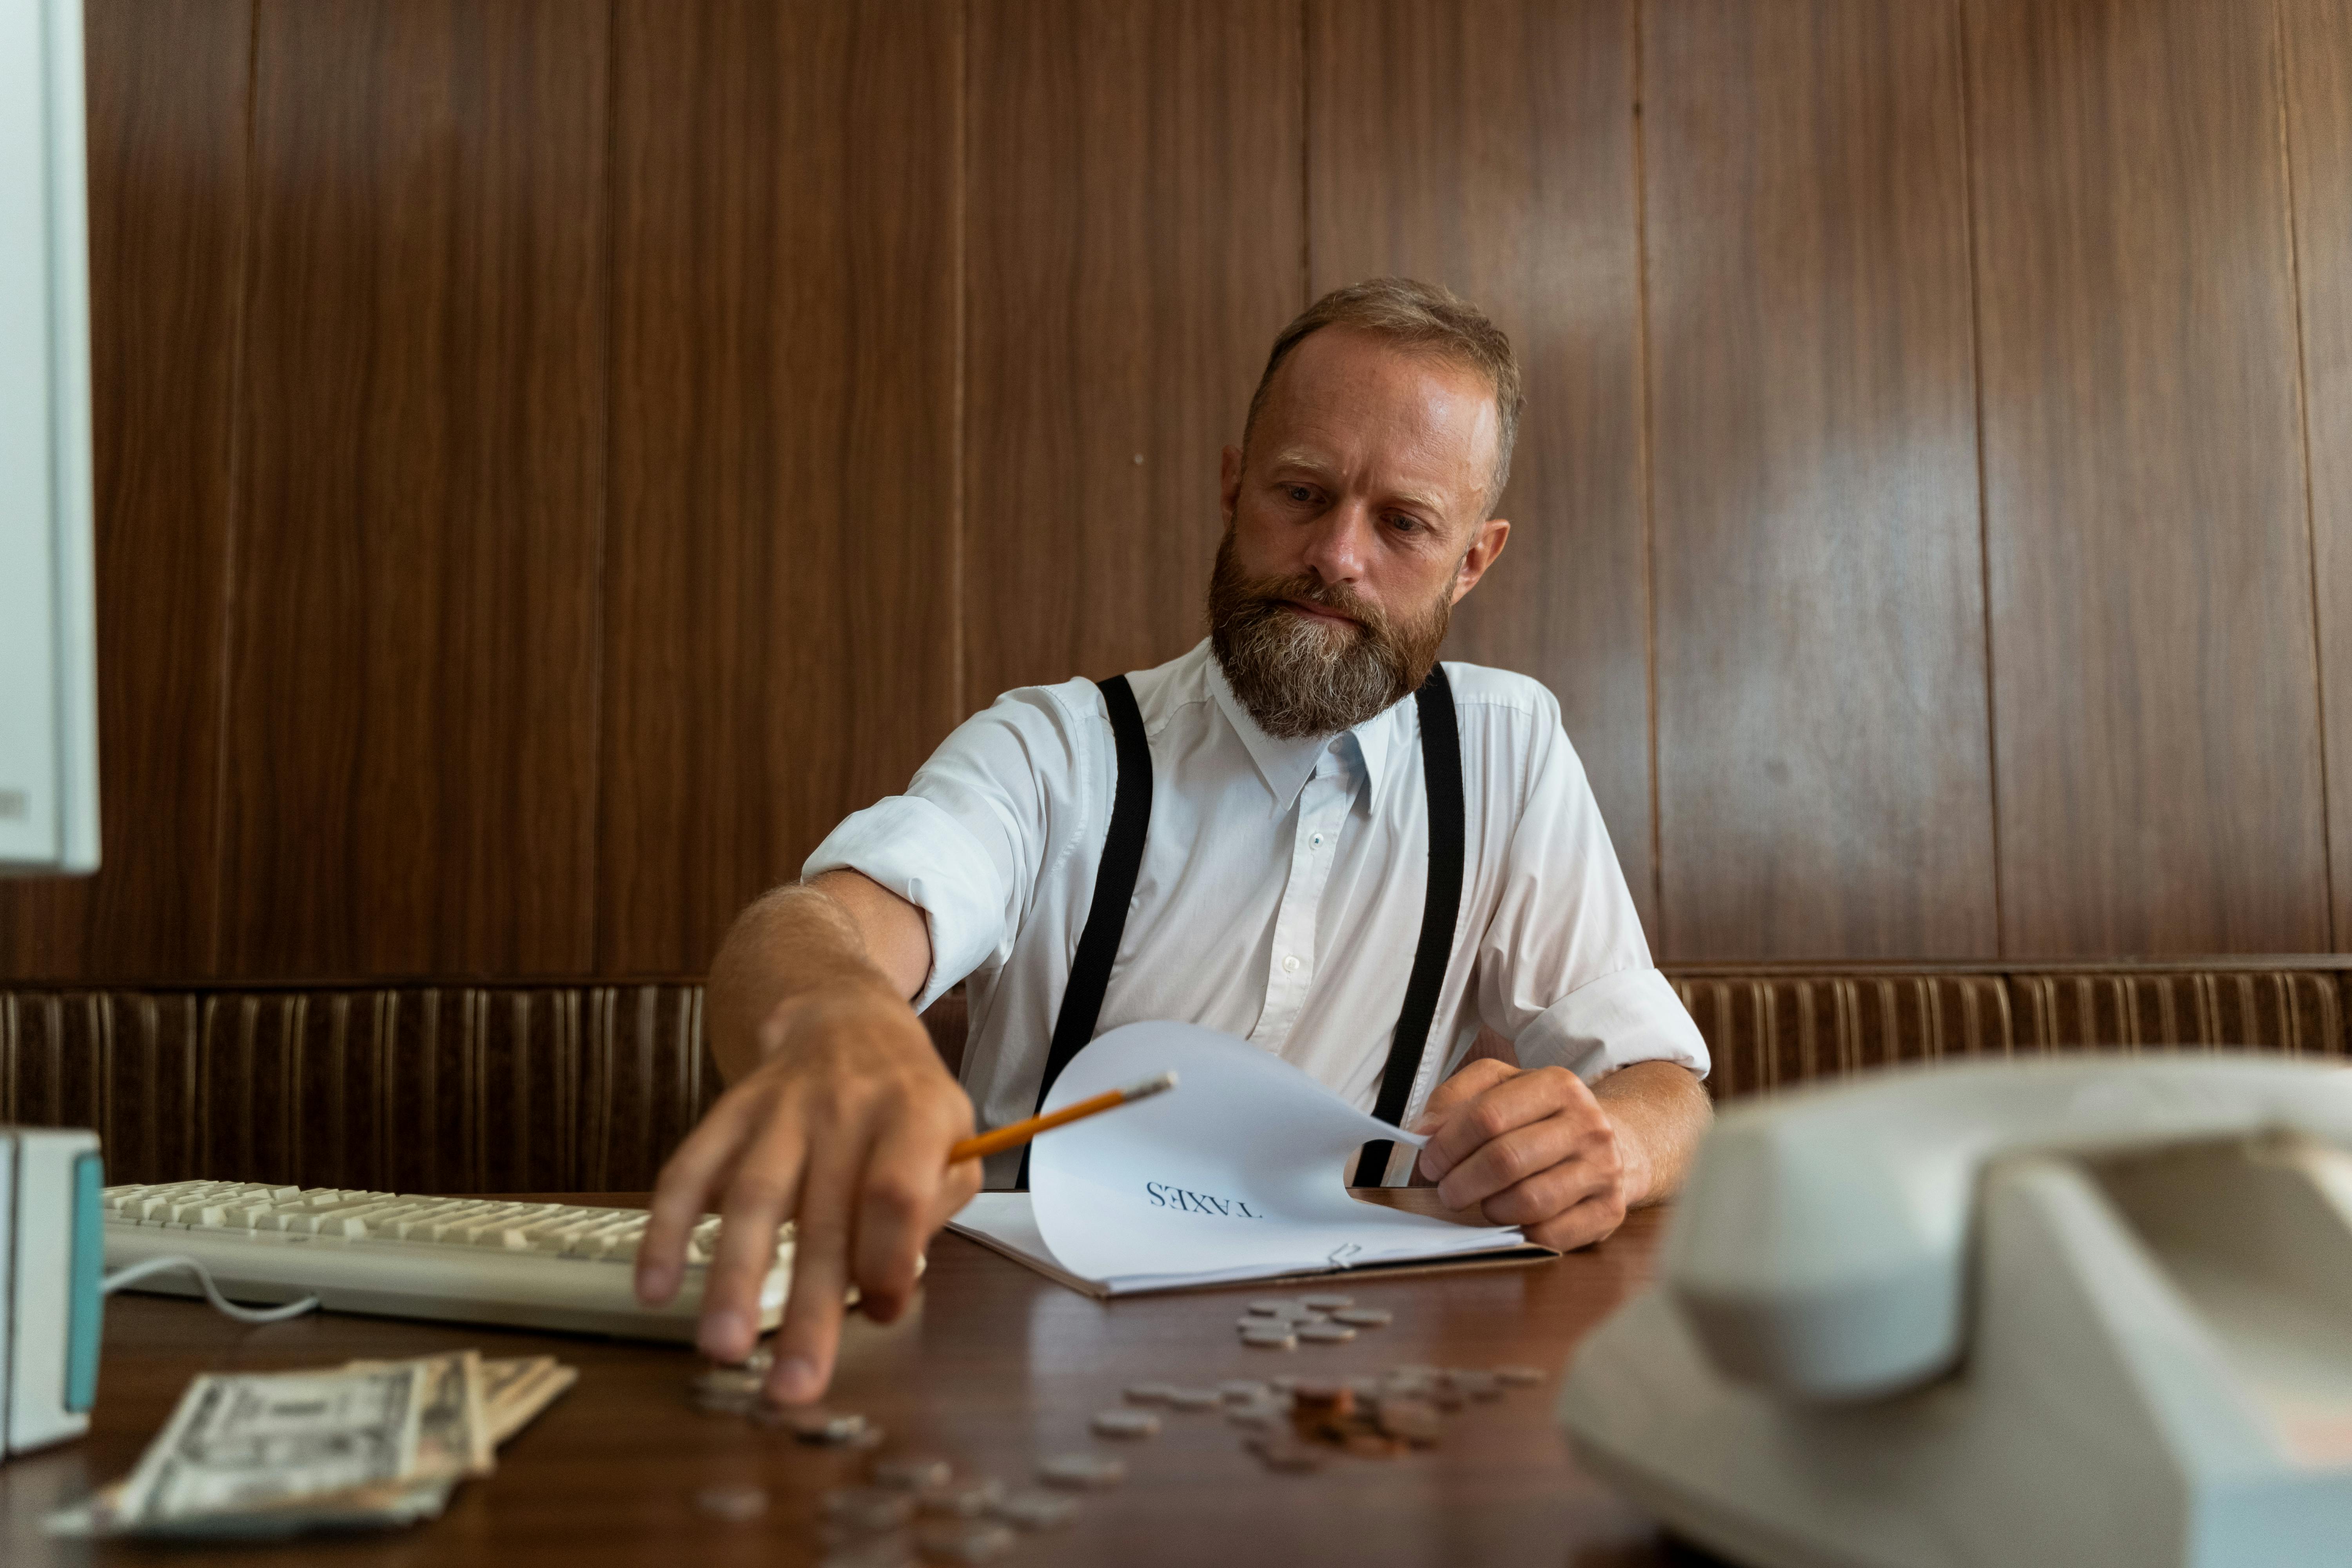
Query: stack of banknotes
[(366, 1445)]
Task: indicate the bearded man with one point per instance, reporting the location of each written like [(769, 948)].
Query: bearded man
[(1306, 832)]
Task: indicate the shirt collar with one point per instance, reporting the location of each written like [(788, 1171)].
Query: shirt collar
[(1287, 765)]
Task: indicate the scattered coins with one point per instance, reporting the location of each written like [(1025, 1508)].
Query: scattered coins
[(733, 1504), (1034, 1509), (1326, 1333), (912, 1473), (962, 1500), (1192, 1399), (872, 1509), (1414, 1421), (1083, 1471), (1364, 1316), (1259, 1414), (1328, 1303), (1126, 1424), (1270, 1340), (964, 1543), (1275, 1306), (1235, 1390)]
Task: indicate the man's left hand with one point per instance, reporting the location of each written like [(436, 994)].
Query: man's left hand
[(1533, 1148)]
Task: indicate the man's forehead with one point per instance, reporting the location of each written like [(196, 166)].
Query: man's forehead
[(1347, 400)]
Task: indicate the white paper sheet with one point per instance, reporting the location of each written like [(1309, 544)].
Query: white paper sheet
[(1239, 1173)]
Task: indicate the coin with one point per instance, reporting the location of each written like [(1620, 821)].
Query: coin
[(1034, 1509), (1415, 1421), (1281, 1451), (1274, 1306), (724, 1401), (1259, 1415), (963, 1500), (1364, 1316), (878, 1551), (1326, 1333), (813, 1423), (869, 1507), (912, 1473), (1323, 1398), (1328, 1303), (1192, 1399), (1271, 1341), (733, 1503), (1149, 1393), (728, 1379), (1237, 1389), (1126, 1424), (964, 1543), (1477, 1384), (1519, 1376), (1083, 1470)]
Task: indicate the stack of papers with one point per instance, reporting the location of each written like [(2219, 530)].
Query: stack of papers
[(1240, 1173)]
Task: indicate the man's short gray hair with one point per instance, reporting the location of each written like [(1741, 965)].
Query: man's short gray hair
[(1423, 316)]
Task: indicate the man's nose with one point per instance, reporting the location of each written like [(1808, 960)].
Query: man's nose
[(1337, 548)]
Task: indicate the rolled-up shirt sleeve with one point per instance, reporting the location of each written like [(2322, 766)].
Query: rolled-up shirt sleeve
[(965, 843), (1564, 971)]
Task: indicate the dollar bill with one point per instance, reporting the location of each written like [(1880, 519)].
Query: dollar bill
[(517, 1390), (250, 1443), (453, 1438)]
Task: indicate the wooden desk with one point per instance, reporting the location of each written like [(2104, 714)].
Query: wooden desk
[(995, 1368)]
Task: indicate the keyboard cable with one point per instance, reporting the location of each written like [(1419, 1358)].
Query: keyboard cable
[(122, 1278)]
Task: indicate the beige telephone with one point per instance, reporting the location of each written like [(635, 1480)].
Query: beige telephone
[(2083, 1312)]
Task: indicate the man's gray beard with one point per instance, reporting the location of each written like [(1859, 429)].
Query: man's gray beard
[(1298, 676)]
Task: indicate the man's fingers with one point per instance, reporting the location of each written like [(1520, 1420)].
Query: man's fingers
[(895, 1203), (682, 1196), (810, 1333), (761, 1197), (1467, 1084), (1501, 1163), (1551, 1191), (1517, 1099), (1596, 1218)]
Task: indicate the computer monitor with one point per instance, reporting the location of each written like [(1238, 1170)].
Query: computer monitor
[(49, 642)]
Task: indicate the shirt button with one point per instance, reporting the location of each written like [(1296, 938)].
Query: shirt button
[(1290, 965), (1315, 842)]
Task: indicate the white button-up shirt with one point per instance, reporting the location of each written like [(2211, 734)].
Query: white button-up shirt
[(1280, 895)]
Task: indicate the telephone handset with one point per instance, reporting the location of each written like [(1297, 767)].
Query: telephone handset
[(2086, 1311)]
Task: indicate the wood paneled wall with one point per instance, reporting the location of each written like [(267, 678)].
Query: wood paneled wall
[(556, 458)]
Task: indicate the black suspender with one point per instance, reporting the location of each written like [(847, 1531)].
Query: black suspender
[(1122, 858), (1441, 770)]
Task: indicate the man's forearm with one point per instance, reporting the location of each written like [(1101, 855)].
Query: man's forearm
[(795, 940), (1662, 1111)]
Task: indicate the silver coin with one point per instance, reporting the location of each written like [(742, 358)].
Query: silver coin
[(1149, 1393), (1258, 1415), (1083, 1470), (1274, 1306), (1476, 1385), (1034, 1509), (1328, 1303), (1237, 1389), (725, 1401), (1364, 1316), (1126, 1424), (912, 1473), (962, 1500), (1192, 1399), (1519, 1376), (1326, 1333), (1271, 1341), (728, 1379), (877, 1551), (869, 1507), (813, 1423), (964, 1543), (733, 1504)]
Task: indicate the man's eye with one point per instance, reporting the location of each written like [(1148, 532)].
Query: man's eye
[(1298, 493), (1404, 524)]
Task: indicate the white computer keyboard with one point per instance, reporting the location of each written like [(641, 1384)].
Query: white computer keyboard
[(472, 1260)]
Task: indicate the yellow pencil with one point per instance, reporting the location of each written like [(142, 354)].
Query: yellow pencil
[(1015, 1135)]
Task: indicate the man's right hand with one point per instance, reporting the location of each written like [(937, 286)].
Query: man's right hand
[(842, 1126)]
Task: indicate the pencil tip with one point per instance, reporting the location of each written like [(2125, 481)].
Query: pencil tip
[(1149, 1086)]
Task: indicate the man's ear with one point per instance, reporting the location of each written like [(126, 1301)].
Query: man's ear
[(1487, 541), (1229, 483)]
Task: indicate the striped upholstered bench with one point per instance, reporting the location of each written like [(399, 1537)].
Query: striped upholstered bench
[(551, 1086)]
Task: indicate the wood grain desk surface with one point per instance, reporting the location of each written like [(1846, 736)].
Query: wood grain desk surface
[(994, 1368)]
